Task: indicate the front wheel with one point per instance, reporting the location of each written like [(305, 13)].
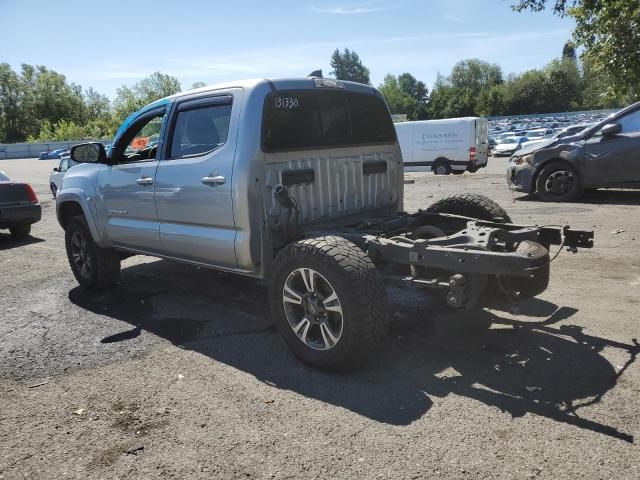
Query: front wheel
[(328, 302), (94, 267), (558, 182)]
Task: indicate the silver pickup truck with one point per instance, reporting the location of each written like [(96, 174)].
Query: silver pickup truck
[(298, 182)]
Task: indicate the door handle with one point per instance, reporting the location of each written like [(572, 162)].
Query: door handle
[(214, 180), (145, 181)]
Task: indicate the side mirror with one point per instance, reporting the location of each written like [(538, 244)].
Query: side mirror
[(56, 169), (611, 129), (89, 153)]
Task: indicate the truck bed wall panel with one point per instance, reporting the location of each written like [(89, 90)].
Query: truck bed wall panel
[(339, 187)]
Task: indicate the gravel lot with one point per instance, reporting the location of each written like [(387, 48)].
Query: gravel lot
[(178, 373)]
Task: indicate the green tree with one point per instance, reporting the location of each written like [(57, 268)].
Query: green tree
[(466, 91), (348, 66), (569, 51), (129, 99), (11, 100), (198, 85), (416, 90), (399, 102), (609, 32)]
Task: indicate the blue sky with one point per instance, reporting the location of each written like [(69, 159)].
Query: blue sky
[(114, 42)]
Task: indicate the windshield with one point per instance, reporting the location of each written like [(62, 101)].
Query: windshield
[(509, 140), (535, 134)]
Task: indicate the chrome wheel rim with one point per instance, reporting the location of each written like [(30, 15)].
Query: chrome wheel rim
[(80, 255), (559, 182), (441, 170), (313, 309)]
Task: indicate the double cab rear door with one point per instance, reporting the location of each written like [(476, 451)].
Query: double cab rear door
[(175, 201)]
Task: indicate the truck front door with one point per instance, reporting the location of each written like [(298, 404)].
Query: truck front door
[(194, 185), (126, 188)]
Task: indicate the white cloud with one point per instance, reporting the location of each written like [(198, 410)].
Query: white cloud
[(423, 55), (353, 9)]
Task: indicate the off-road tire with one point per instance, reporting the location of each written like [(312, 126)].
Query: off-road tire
[(471, 205), (538, 279), (20, 231), (359, 286), (545, 195), (520, 288), (105, 271)]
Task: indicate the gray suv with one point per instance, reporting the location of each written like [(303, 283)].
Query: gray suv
[(298, 182), (604, 155)]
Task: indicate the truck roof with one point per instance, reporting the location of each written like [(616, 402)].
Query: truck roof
[(276, 83)]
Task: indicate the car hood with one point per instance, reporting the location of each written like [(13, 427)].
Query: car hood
[(536, 146), (506, 146)]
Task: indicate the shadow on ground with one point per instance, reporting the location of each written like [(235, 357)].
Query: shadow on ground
[(8, 241), (601, 196), (535, 366)]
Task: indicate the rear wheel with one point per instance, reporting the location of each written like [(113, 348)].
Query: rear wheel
[(558, 182), (328, 302), (20, 231), (537, 281), (95, 268), (441, 167)]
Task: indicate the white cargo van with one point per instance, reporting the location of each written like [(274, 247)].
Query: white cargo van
[(453, 145)]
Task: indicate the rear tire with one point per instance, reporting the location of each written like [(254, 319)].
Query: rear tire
[(441, 167), (471, 205), (20, 231), (558, 182), (95, 268), (538, 280), (328, 302)]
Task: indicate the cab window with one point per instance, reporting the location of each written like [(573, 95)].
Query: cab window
[(200, 130), (140, 142), (64, 165), (302, 120)]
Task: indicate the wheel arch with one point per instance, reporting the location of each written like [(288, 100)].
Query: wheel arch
[(70, 204), (541, 166)]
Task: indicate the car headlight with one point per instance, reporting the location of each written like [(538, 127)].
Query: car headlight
[(523, 159)]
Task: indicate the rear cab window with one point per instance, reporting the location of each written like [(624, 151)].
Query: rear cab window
[(318, 119), (201, 128)]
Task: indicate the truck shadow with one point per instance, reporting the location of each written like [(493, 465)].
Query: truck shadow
[(8, 241), (539, 365)]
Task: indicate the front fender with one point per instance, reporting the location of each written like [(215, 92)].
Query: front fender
[(76, 195)]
